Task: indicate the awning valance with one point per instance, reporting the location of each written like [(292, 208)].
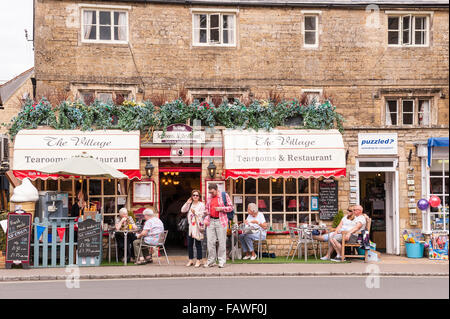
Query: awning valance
[(436, 142), (36, 149), (283, 153)]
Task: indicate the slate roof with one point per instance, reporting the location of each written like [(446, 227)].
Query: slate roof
[(7, 89), (438, 3)]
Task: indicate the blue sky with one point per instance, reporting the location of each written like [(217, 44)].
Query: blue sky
[(16, 54)]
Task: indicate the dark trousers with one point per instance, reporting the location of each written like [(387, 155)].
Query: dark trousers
[(198, 247), (130, 251)]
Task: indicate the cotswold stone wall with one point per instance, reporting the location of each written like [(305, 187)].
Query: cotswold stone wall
[(352, 63)]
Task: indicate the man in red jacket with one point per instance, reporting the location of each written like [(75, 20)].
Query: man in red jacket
[(216, 221)]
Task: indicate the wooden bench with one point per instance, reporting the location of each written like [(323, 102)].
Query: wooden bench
[(356, 245)]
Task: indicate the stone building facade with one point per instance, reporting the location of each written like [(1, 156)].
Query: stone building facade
[(361, 56)]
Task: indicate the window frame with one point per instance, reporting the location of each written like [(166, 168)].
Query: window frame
[(312, 215), (208, 13), (95, 92), (415, 99), (412, 28), (444, 195), (112, 10), (316, 17)]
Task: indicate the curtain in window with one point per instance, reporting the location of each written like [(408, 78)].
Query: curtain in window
[(88, 18), (228, 29), (122, 26), (424, 112)]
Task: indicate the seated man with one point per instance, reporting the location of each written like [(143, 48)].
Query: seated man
[(125, 222), (153, 228), (351, 234)]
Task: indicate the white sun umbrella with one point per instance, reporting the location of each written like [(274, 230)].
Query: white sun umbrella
[(82, 166)]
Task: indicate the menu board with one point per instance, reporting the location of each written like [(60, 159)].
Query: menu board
[(18, 238), (328, 199), (89, 238)]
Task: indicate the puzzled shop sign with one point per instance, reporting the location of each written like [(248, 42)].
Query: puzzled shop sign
[(377, 143), (34, 149)]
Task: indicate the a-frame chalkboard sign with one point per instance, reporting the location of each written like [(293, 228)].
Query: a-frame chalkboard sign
[(18, 236)]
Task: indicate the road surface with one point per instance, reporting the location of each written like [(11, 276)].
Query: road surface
[(332, 287)]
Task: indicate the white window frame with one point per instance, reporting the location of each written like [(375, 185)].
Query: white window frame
[(401, 14), (308, 14), (208, 13), (428, 213), (400, 113), (97, 10), (388, 112)]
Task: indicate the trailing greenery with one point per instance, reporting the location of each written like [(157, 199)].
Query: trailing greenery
[(130, 115)]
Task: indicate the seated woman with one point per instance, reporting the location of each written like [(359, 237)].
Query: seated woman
[(123, 222), (256, 219), (153, 228)]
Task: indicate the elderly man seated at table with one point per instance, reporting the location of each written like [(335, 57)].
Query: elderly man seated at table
[(256, 221), (125, 223), (153, 228)]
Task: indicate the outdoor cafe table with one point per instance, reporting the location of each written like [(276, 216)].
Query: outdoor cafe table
[(125, 235), (302, 233)]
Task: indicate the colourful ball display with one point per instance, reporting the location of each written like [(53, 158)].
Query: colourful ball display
[(422, 204), (434, 201)]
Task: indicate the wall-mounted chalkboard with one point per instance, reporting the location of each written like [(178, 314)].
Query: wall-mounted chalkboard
[(18, 237), (89, 238), (328, 199)]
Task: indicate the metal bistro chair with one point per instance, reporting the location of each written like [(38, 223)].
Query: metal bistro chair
[(294, 241), (161, 244), (260, 242), (304, 238)]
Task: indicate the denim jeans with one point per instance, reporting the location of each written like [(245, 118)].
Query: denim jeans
[(247, 241), (198, 247)]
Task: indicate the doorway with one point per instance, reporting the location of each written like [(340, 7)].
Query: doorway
[(175, 188)]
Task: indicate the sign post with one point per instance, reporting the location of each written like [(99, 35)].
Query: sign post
[(18, 236)]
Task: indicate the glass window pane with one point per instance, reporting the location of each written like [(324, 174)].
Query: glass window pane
[(277, 185), (277, 221), (95, 187), (105, 33), (214, 21), (303, 186), (408, 106), (250, 186), (105, 17), (310, 37), (406, 30), (314, 186), (291, 186), (392, 106), (419, 38), (52, 185), (303, 218), (291, 220), (393, 37), (393, 23), (424, 112), (277, 204), (203, 36), (110, 205), (408, 118), (239, 186), (108, 187), (291, 202), (436, 186), (214, 35), (203, 21), (264, 203), (263, 186), (303, 204), (420, 23), (310, 23), (66, 186), (105, 97), (97, 201)]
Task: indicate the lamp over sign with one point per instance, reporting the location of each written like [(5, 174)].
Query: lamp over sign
[(212, 169), (149, 168)]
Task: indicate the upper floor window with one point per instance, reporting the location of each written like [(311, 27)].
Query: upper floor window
[(214, 29), (104, 96), (311, 31), (104, 26), (408, 111), (408, 30)]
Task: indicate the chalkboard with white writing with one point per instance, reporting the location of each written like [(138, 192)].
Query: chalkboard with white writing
[(18, 237), (89, 238), (328, 199)]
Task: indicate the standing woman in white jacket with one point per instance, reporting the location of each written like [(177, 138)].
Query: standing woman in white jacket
[(195, 210)]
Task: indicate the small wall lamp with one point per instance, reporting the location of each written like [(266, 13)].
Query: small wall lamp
[(149, 168), (212, 169)]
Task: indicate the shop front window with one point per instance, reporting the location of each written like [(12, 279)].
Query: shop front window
[(284, 201), (439, 186)]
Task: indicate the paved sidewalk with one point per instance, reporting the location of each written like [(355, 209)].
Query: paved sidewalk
[(388, 266)]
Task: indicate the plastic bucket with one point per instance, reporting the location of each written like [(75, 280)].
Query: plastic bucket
[(414, 250), (361, 251)]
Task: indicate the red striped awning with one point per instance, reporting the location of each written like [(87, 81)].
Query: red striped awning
[(34, 175)]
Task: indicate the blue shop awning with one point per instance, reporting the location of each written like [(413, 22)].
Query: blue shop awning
[(436, 142)]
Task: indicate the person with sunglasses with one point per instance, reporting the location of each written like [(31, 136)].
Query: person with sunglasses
[(195, 209), (345, 224)]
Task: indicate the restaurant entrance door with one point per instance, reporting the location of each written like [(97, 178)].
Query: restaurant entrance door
[(175, 186)]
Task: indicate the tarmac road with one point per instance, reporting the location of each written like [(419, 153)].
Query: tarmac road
[(316, 287)]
